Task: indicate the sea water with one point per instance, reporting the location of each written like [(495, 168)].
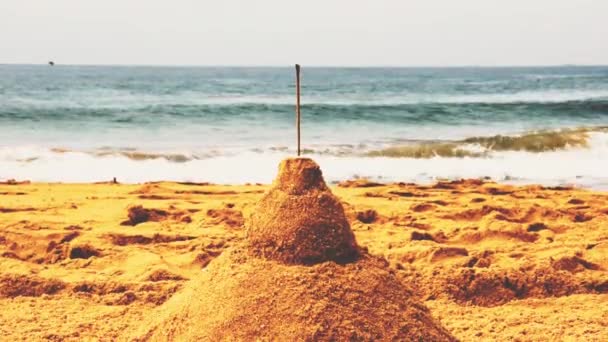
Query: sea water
[(542, 125)]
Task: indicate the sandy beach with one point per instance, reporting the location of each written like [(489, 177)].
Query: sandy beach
[(429, 171), (490, 261)]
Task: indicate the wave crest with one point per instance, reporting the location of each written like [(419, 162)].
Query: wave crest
[(536, 142)]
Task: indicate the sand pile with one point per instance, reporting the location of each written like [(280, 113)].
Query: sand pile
[(299, 276), (299, 220)]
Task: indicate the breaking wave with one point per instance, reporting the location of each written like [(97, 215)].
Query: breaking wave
[(537, 142)]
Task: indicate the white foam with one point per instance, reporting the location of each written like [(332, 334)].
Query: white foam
[(578, 166)]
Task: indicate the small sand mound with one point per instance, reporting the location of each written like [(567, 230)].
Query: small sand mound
[(227, 216), (299, 220), (162, 275), (299, 277), (84, 252), (490, 287), (12, 285), (138, 214), (574, 264), (367, 216), (419, 236), (14, 182), (124, 240), (359, 183)]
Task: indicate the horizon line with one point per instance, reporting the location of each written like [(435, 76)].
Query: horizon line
[(421, 66)]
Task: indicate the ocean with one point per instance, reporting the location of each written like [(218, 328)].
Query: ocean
[(533, 125)]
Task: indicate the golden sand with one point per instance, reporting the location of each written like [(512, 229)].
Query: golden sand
[(85, 261), (299, 220), (299, 275)]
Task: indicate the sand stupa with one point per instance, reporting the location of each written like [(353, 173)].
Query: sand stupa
[(298, 276), (299, 221)]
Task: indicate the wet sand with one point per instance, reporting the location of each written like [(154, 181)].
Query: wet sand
[(89, 261)]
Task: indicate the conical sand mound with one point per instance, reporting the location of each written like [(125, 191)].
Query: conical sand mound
[(299, 220), (299, 276)]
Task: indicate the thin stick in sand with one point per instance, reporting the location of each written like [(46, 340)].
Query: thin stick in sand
[(298, 104)]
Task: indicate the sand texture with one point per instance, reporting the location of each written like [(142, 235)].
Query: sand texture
[(257, 290), (299, 220), (480, 260)]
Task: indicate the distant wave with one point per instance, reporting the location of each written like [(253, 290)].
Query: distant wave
[(560, 76), (404, 113), (536, 142), (129, 100), (135, 155)]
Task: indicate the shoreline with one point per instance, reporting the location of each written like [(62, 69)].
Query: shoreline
[(357, 182)]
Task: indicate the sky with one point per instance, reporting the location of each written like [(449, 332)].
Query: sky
[(309, 32)]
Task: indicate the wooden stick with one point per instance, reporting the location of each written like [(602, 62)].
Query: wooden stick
[(298, 104)]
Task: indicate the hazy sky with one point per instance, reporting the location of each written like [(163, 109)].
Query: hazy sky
[(311, 32)]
